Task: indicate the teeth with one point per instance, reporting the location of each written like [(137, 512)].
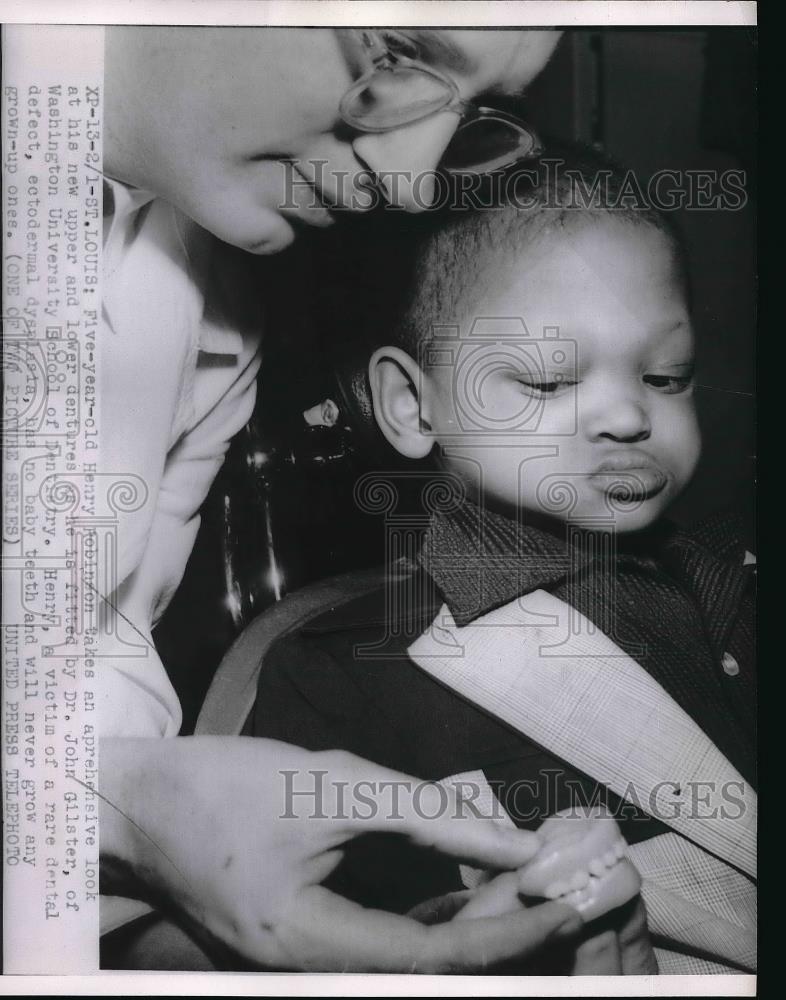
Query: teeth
[(596, 867), (556, 889), (579, 881), (577, 889), (578, 897)]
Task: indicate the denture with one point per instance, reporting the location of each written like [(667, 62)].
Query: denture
[(582, 863)]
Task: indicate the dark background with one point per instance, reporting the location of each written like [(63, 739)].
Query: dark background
[(652, 99)]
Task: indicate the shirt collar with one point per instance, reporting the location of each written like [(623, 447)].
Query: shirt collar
[(710, 559), (721, 535), (120, 202), (481, 560), (122, 222)]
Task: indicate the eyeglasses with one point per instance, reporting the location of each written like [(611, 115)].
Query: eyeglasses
[(399, 90)]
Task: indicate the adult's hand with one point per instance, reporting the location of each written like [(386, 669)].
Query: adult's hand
[(209, 828), (619, 944), (615, 944)]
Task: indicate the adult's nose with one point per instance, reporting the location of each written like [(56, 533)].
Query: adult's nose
[(405, 159), (619, 416)]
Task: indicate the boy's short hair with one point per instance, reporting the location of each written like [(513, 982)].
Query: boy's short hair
[(459, 255), (390, 279)]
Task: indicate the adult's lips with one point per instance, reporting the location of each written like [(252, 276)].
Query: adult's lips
[(304, 201), (632, 472), (272, 208), (358, 190)]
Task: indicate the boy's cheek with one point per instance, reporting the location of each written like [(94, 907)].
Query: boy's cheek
[(687, 447), (487, 472)]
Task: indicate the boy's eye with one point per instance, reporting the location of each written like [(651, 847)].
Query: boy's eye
[(669, 384), (543, 389)]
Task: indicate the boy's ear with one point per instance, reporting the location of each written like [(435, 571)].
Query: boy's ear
[(400, 404)]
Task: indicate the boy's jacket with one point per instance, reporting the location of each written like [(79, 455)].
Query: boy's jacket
[(530, 691)]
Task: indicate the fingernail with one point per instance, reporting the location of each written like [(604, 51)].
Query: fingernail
[(570, 928), (521, 838)]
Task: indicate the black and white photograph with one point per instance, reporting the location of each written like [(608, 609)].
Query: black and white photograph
[(379, 540)]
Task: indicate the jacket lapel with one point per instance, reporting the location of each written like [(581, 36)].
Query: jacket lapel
[(544, 669)]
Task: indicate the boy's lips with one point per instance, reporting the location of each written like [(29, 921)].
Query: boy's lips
[(632, 472)]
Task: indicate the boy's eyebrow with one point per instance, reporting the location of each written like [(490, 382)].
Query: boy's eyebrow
[(677, 338), (676, 327)]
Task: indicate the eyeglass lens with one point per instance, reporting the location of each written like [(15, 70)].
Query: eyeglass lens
[(396, 97), (484, 144)]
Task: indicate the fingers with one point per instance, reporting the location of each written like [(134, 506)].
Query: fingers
[(441, 908), (598, 956), (500, 895), (479, 841), (432, 815), (329, 933), (638, 957), (467, 945), (620, 944)]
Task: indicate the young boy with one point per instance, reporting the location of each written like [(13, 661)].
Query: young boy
[(561, 642)]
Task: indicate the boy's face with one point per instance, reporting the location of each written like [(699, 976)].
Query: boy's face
[(597, 425)]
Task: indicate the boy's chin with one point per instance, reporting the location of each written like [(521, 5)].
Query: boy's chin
[(597, 518), (590, 511), (638, 515)]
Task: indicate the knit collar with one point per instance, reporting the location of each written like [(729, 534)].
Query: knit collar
[(481, 559)]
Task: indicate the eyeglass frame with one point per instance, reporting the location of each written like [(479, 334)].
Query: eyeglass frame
[(383, 59)]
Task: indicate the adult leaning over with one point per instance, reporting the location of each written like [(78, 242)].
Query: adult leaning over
[(203, 130)]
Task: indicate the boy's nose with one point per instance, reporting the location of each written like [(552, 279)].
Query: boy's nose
[(620, 419), (404, 159)]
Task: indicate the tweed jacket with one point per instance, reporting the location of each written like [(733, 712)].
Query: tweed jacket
[(531, 705)]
